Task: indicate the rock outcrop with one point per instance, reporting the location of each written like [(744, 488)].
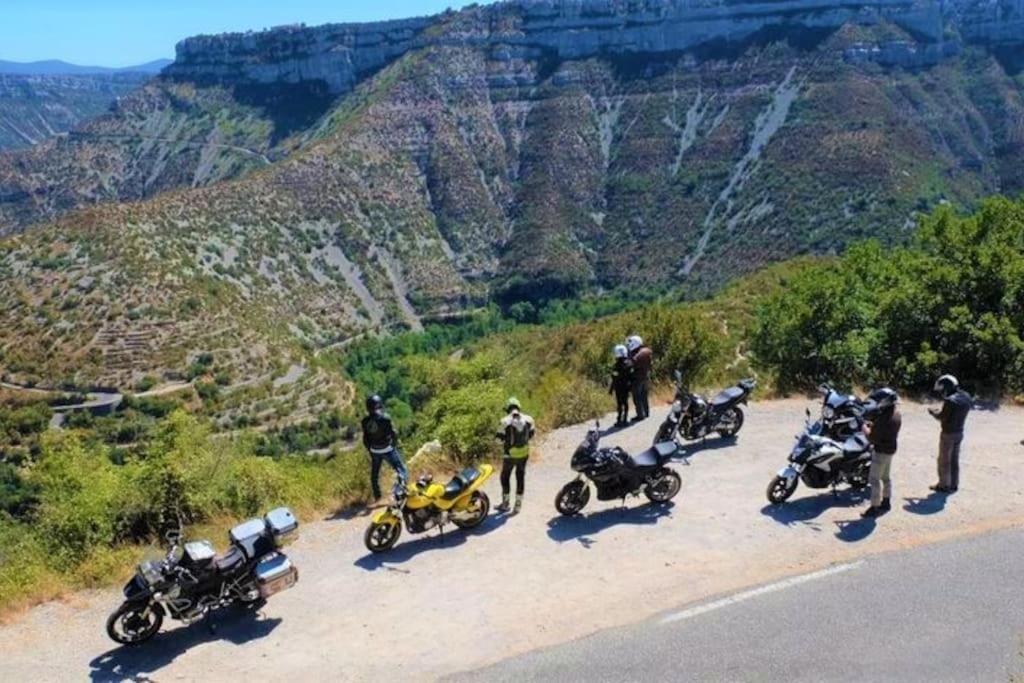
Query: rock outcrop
[(340, 55)]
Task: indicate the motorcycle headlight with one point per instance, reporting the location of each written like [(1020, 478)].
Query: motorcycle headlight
[(677, 406), (828, 412)]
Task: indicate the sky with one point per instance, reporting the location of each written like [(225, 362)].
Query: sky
[(119, 33)]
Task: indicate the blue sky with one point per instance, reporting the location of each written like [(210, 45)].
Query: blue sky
[(126, 32)]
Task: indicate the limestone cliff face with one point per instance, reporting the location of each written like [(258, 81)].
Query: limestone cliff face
[(338, 56)]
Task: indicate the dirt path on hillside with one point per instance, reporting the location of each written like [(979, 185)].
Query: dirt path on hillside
[(433, 607)]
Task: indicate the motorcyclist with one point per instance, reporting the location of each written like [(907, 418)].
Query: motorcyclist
[(622, 383), (642, 358), (884, 422), (381, 441), (516, 430), (956, 404)]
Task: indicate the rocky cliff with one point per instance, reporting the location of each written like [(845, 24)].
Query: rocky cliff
[(386, 173)]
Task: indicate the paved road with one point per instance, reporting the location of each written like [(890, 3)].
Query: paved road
[(434, 606), (949, 612)]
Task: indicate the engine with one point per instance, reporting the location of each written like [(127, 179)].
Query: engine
[(418, 521)]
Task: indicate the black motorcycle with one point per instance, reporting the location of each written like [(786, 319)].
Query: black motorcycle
[(823, 462), (693, 417), (842, 415), (617, 474), (192, 581)]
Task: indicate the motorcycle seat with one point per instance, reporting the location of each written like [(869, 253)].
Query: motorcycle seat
[(856, 445), (653, 457), (229, 562), (728, 396), (460, 482)]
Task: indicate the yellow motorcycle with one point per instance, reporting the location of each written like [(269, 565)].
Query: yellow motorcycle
[(425, 505)]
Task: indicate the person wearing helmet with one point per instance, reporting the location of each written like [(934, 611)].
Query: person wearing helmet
[(884, 422), (381, 441), (515, 431), (642, 358), (956, 404), (622, 383)]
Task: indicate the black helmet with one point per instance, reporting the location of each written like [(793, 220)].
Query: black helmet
[(374, 403), (882, 399)]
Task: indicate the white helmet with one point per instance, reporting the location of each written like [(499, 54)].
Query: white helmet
[(634, 343), (946, 385), (620, 351)]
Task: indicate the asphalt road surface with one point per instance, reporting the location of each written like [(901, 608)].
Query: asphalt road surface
[(947, 612)]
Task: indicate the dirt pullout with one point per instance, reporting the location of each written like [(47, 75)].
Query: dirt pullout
[(436, 606)]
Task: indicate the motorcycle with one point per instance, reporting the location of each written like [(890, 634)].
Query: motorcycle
[(425, 505), (842, 415), (616, 474), (820, 461), (693, 417), (192, 580)]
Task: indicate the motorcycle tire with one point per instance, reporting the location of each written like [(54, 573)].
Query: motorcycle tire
[(140, 627), (780, 490), (380, 538), (736, 424), (573, 497), (482, 504), (665, 488)]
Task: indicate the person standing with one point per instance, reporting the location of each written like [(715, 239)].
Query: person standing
[(885, 421), (622, 383), (956, 404), (381, 441), (516, 430), (642, 358)]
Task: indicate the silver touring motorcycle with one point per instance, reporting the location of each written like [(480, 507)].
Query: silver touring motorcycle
[(192, 580)]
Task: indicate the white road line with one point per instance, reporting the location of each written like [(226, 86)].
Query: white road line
[(763, 590)]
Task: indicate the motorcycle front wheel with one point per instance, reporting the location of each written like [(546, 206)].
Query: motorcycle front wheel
[(780, 489), (573, 497), (134, 623), (380, 538), (730, 423), (479, 506), (665, 487)]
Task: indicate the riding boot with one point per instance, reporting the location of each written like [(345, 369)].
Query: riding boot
[(519, 504), (871, 512), (886, 505), (504, 507)]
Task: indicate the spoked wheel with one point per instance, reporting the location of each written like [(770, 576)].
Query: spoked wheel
[(381, 537), (134, 623), (731, 422), (573, 497), (475, 512), (665, 487), (780, 489)]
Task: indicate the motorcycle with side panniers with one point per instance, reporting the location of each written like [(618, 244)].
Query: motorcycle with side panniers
[(192, 580)]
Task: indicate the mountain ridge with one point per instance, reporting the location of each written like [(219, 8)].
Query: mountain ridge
[(56, 67)]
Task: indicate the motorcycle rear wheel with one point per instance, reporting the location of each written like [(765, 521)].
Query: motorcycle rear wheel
[(780, 490), (573, 497), (734, 419), (380, 538), (481, 505), (133, 624), (665, 488)]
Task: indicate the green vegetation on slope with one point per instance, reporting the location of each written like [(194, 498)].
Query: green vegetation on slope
[(951, 301)]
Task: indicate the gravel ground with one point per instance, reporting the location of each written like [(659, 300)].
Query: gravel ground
[(437, 606)]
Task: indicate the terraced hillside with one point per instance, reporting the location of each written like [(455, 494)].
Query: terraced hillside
[(287, 209), (35, 108)]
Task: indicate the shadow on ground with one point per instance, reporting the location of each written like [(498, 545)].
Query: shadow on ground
[(932, 504), (809, 508), (236, 626), (429, 541), (853, 530), (582, 527)]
